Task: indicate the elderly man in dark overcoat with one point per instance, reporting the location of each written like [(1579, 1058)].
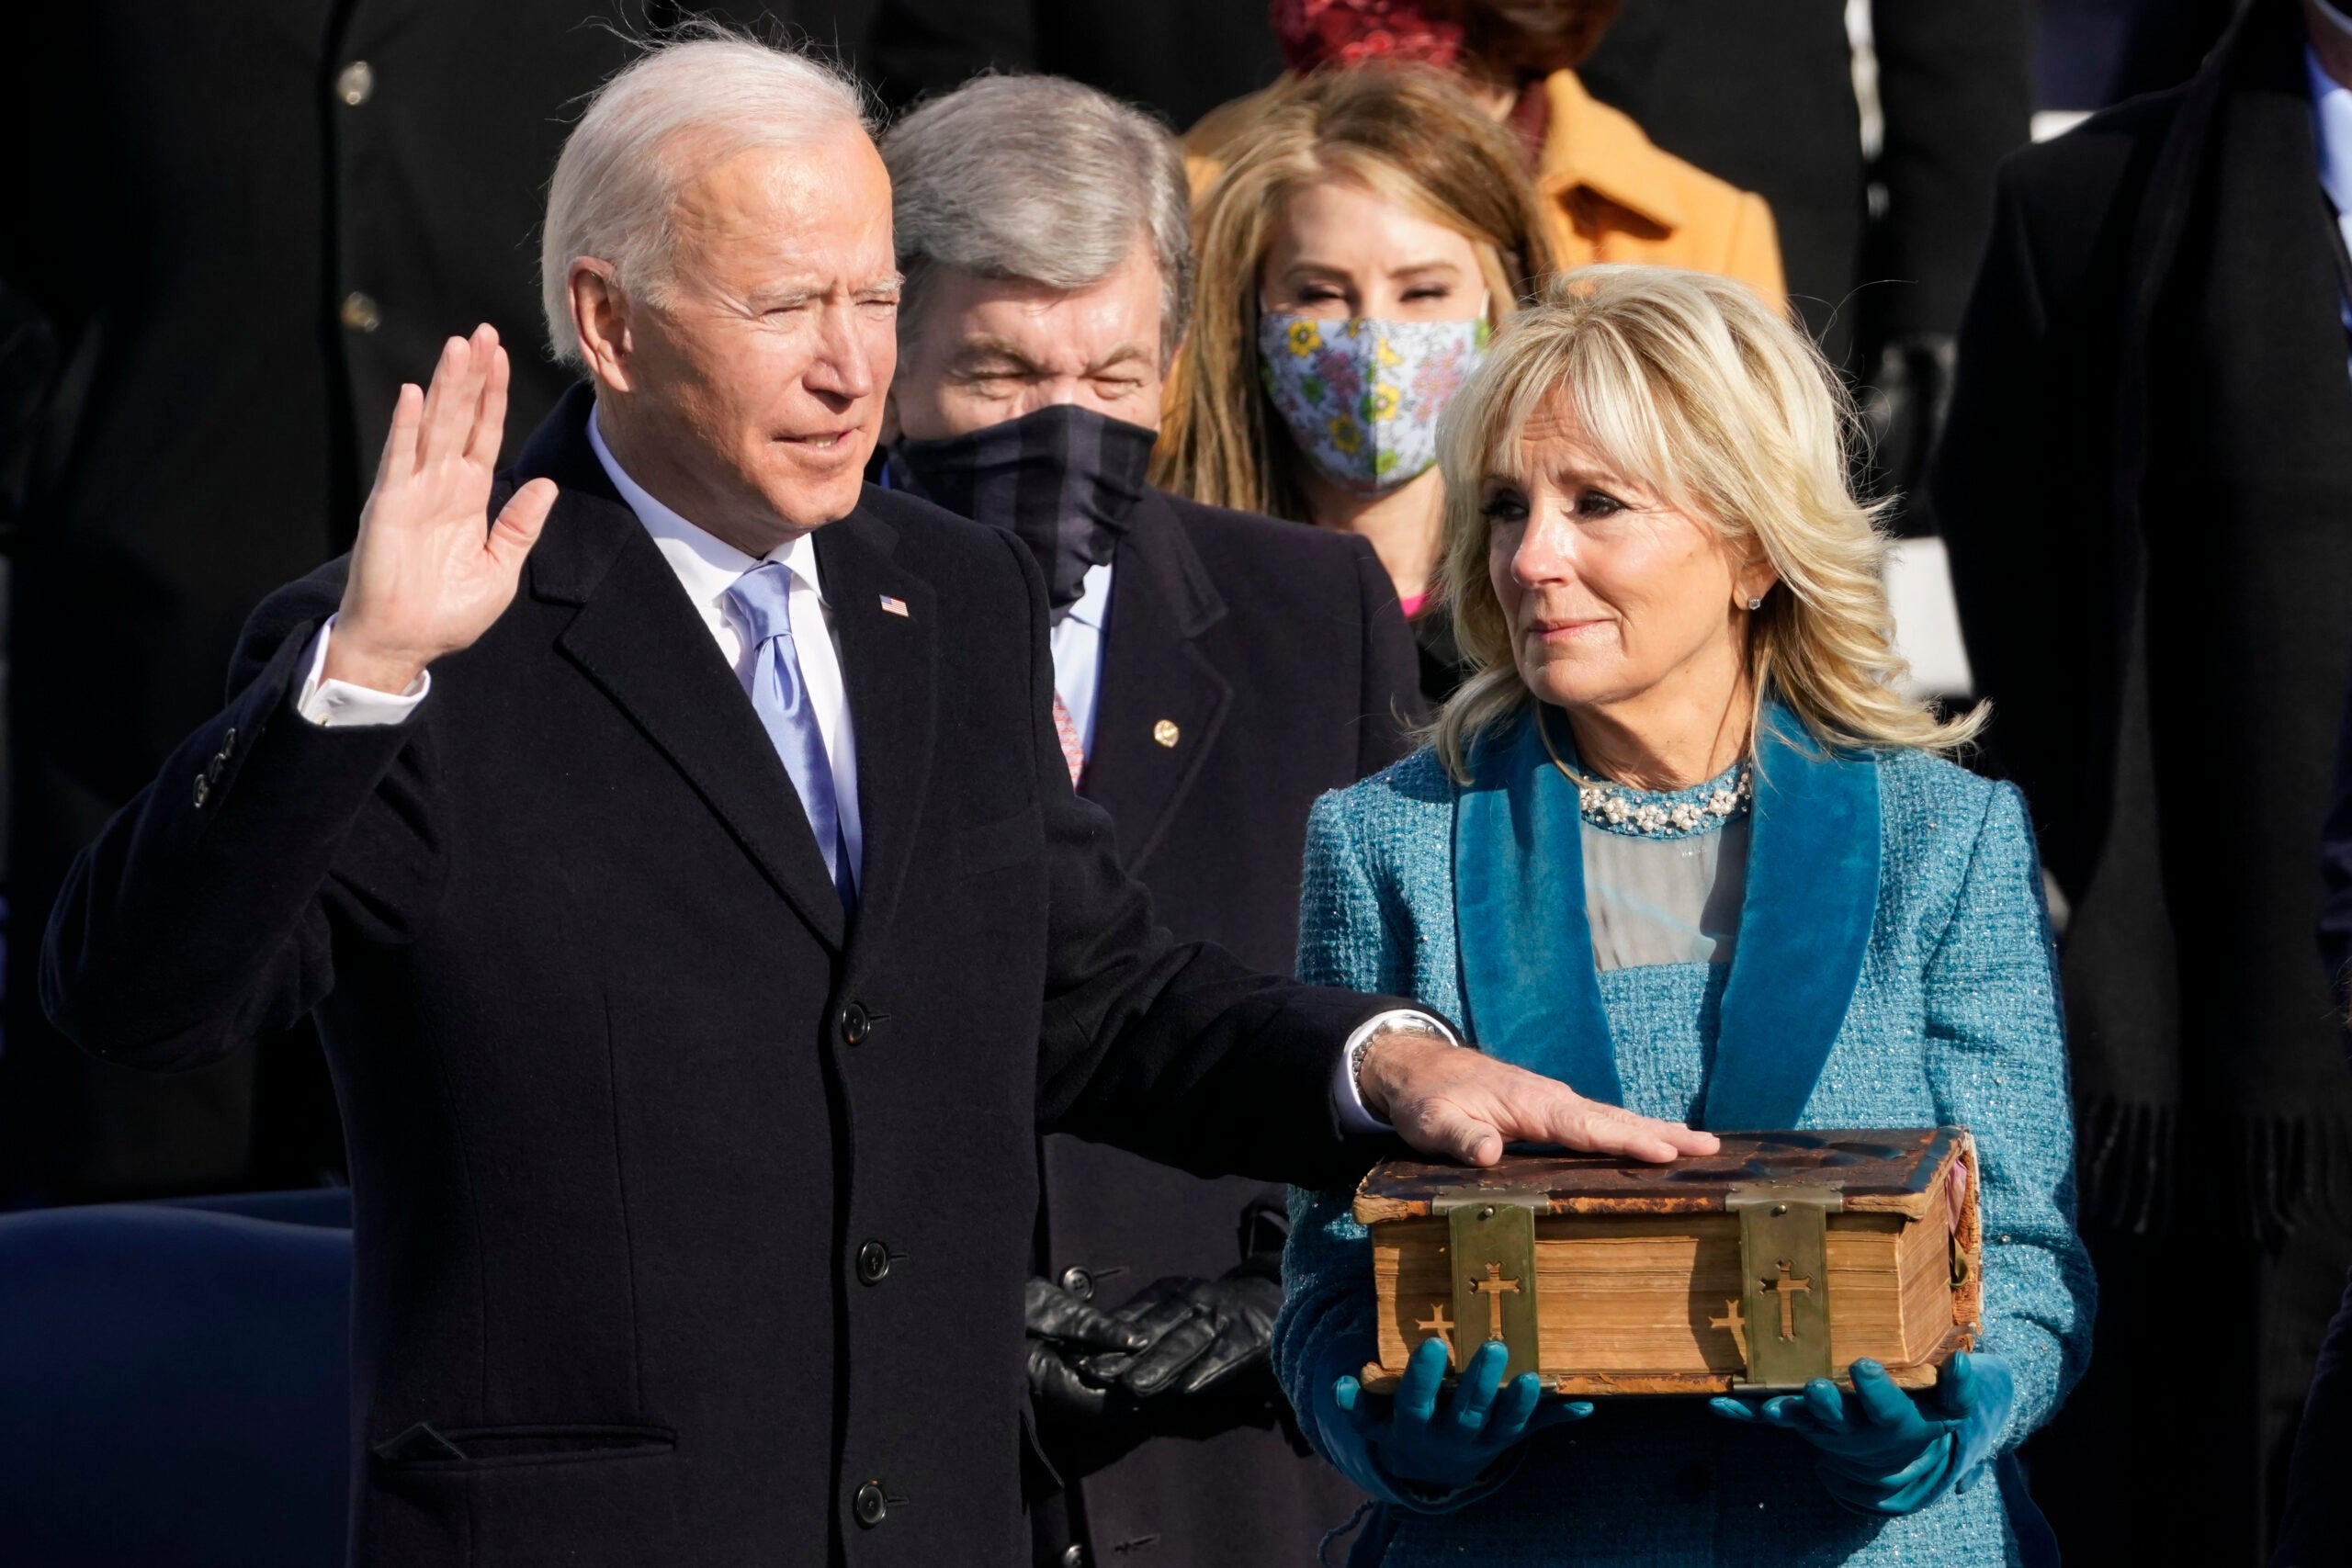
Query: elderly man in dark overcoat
[(674, 842), (1218, 671), (2147, 490)]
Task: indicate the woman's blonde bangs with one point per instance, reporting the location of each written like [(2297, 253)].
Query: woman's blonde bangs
[(1688, 384)]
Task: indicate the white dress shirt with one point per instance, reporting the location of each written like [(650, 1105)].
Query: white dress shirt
[(707, 567)]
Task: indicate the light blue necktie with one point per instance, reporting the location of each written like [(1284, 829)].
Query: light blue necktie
[(780, 697)]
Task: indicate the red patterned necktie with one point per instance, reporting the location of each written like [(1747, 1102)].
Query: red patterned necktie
[(1073, 748)]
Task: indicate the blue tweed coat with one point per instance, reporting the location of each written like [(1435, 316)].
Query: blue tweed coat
[(1893, 969)]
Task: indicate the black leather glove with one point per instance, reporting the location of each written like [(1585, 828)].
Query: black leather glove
[(1204, 1339), (1062, 1329)]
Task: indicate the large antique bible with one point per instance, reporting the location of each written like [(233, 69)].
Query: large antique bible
[(1785, 1257)]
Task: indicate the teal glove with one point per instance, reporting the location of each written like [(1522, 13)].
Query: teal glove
[(1881, 1452), (1435, 1441)]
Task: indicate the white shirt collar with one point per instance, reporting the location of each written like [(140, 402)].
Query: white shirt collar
[(2332, 118), (1093, 605), (707, 564)]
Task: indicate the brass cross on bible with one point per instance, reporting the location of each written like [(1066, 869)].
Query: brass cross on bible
[(1781, 1288), (1492, 1287), (1438, 1324), (1732, 1322)]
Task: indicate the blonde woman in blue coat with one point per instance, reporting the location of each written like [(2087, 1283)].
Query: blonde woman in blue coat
[(1681, 842)]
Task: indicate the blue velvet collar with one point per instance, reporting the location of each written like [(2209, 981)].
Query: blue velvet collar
[(1529, 989)]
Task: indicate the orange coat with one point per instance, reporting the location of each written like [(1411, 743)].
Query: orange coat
[(1609, 193)]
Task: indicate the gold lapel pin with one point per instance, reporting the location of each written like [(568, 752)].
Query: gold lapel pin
[(1166, 732)]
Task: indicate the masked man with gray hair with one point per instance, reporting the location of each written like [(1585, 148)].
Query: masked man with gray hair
[(673, 842), (1213, 673)]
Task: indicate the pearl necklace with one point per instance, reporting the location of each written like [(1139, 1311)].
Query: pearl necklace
[(1607, 804)]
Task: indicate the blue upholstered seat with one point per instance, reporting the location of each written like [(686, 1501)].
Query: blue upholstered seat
[(175, 1389)]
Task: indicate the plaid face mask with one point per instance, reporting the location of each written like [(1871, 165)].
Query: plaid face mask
[(1361, 396)]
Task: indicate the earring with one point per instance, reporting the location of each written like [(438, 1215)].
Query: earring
[(1756, 604)]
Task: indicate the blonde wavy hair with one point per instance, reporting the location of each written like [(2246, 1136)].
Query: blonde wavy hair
[(1691, 384), (1407, 133)]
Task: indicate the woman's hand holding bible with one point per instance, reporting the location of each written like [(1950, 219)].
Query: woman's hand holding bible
[(1430, 1440), (1884, 1453)]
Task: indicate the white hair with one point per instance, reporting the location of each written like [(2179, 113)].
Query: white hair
[(1042, 180), (679, 110)]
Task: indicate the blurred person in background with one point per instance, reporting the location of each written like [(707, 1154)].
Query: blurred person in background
[(1215, 672), (253, 221), (1607, 193), (2145, 485), (1371, 229), (1880, 241), (1181, 58)]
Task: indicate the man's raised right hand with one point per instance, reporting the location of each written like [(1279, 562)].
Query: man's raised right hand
[(430, 572)]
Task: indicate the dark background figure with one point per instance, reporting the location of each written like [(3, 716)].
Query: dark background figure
[(1878, 252), (2143, 487), (251, 222), (1180, 57), (1218, 671), (2091, 55), (2315, 1524)]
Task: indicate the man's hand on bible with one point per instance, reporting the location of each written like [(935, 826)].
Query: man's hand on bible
[(430, 571), (1465, 1105)]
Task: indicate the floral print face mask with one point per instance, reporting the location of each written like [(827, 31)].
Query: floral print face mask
[(1361, 396)]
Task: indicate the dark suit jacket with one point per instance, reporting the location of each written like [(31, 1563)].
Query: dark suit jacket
[(2145, 485), (691, 1217), (1279, 654), (1180, 57)]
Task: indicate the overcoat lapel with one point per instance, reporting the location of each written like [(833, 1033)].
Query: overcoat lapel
[(1529, 987), (891, 665), (1804, 928), (637, 636), (1155, 674)]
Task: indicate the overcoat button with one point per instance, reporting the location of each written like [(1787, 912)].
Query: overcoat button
[(229, 742), (856, 1024), (203, 788), (1079, 1283), (872, 1263), (1073, 1556), (356, 84), (1166, 732), (361, 313), (869, 1504)]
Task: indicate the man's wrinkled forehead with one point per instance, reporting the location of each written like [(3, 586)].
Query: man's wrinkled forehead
[(823, 196)]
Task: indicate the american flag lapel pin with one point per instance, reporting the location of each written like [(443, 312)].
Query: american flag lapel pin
[(894, 607)]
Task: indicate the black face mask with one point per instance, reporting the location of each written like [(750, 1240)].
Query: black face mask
[(1063, 479)]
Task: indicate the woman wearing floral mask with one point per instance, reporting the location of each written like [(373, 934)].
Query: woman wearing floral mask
[(1355, 255)]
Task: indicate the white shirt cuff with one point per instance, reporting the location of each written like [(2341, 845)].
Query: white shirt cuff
[(344, 706), (1346, 1097)]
